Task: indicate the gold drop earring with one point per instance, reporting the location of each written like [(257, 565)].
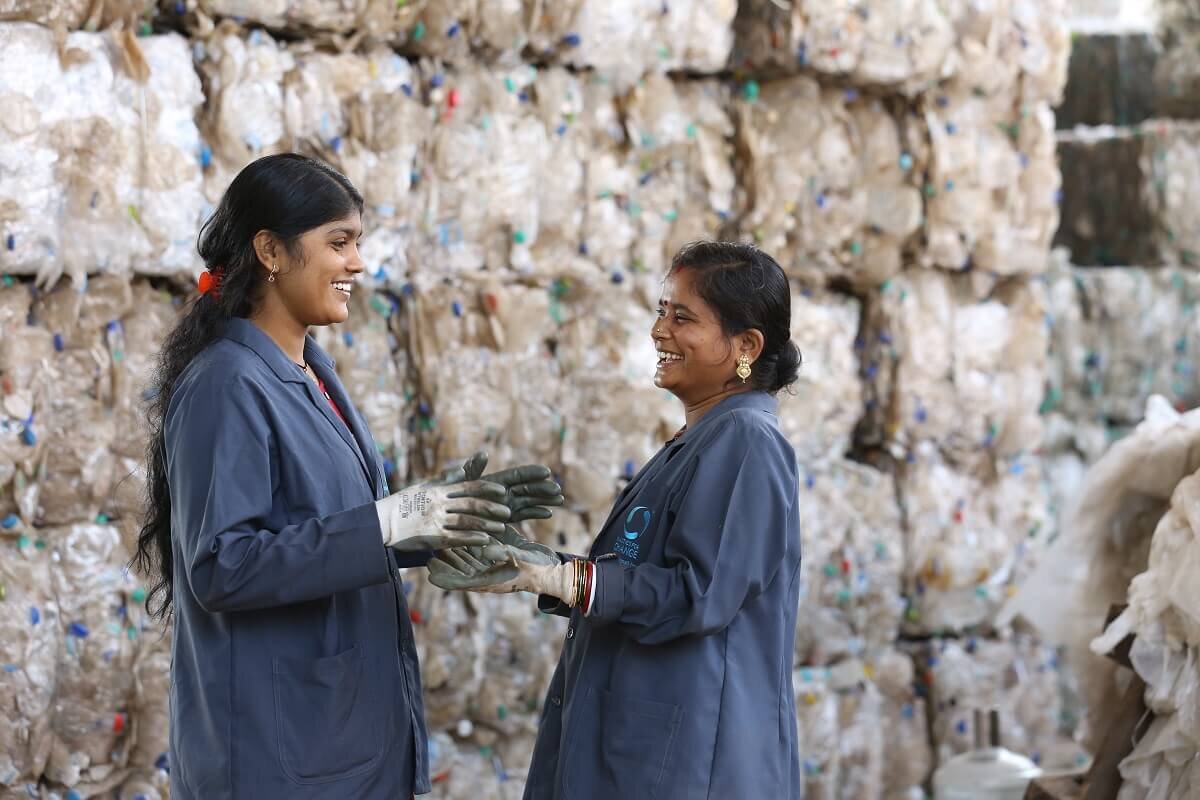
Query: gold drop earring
[(271, 277), (743, 367)]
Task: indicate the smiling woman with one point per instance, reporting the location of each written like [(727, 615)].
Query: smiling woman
[(270, 536), (675, 679)]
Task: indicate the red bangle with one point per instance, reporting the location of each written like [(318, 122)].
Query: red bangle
[(588, 577)]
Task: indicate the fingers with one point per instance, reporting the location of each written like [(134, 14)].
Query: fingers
[(455, 560), (464, 538), (537, 489), (522, 503), (486, 490), (473, 506), (536, 512), (469, 522), (475, 465), (528, 473)]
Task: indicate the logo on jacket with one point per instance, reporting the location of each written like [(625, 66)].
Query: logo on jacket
[(643, 520)]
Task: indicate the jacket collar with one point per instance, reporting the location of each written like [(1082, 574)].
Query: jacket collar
[(245, 332), (352, 431), (754, 400), (760, 401)]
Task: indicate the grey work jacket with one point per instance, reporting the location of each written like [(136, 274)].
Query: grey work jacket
[(294, 672), (679, 682)]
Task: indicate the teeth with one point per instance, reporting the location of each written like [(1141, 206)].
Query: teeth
[(344, 286), (665, 357)]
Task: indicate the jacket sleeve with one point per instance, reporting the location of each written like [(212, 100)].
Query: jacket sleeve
[(724, 546), (222, 473)]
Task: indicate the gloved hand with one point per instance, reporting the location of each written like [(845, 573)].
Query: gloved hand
[(529, 491), (511, 563), (437, 515)]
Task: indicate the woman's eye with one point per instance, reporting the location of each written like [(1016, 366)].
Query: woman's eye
[(680, 319), (339, 245), (661, 313)]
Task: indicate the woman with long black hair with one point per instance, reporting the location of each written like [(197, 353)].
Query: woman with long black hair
[(270, 537)]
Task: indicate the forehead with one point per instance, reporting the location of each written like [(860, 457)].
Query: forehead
[(351, 224), (679, 289)]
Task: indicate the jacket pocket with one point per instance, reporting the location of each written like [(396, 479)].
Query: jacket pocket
[(328, 725), (636, 746)]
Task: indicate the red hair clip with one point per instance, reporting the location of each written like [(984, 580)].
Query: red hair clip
[(210, 282)]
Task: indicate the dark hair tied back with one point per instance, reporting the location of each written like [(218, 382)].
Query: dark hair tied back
[(749, 291), (286, 194)]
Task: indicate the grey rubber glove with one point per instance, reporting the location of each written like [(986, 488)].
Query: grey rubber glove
[(530, 493), (437, 515), (511, 563)]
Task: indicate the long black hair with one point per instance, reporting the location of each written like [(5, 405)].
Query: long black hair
[(749, 291), (288, 195)]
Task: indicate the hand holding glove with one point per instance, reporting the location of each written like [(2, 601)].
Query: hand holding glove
[(440, 514), (511, 563)]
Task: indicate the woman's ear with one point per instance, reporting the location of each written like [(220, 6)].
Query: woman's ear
[(750, 343), (266, 247)]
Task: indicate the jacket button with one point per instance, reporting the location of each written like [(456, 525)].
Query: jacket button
[(570, 633), (557, 700)]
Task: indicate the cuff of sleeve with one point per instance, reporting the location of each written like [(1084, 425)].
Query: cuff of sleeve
[(548, 604), (609, 601), (365, 560), (414, 559)]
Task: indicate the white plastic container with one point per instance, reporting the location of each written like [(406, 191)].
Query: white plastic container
[(987, 772)]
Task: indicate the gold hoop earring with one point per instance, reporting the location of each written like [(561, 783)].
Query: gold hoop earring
[(271, 277), (743, 367)]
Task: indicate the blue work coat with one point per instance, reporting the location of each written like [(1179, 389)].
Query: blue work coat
[(294, 672), (679, 682)]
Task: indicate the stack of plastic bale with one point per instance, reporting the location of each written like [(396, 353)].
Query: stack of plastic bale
[(907, 755), (67, 391), (243, 116), (458, 771), (841, 739), (1018, 676), (480, 169), (851, 604), (366, 114), (1164, 617), (1105, 543), (614, 418), (1136, 211), (829, 191), (25, 349), (103, 176), (486, 376), (1119, 335), (954, 381), (850, 522), (29, 651), (75, 14), (94, 695), (622, 40), (373, 366), (134, 340), (1176, 74), (485, 379), (681, 150), (79, 430)]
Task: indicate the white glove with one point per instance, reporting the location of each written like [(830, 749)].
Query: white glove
[(431, 516)]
